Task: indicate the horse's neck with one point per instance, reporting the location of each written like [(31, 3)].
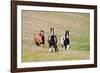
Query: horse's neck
[(42, 35), (66, 36), (63, 37), (51, 36)]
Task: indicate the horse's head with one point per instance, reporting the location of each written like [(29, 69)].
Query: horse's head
[(38, 33), (51, 30), (67, 34), (37, 38), (42, 32)]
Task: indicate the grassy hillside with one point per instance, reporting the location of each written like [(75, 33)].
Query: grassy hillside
[(76, 23)]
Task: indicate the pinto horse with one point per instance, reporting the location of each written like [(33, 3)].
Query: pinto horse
[(39, 38), (52, 40), (65, 40)]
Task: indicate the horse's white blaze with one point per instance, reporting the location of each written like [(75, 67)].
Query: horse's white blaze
[(67, 36)]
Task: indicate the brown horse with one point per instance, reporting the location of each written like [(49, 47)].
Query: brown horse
[(39, 38)]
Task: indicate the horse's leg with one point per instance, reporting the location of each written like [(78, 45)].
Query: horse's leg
[(65, 47), (50, 48), (56, 48), (68, 46), (62, 45), (42, 44)]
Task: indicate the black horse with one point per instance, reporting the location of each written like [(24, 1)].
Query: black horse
[(65, 40), (52, 40), (42, 37)]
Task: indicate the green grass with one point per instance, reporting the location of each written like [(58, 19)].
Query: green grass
[(42, 54), (76, 23)]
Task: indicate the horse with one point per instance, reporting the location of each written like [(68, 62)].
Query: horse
[(65, 40), (52, 40), (42, 37), (39, 38)]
